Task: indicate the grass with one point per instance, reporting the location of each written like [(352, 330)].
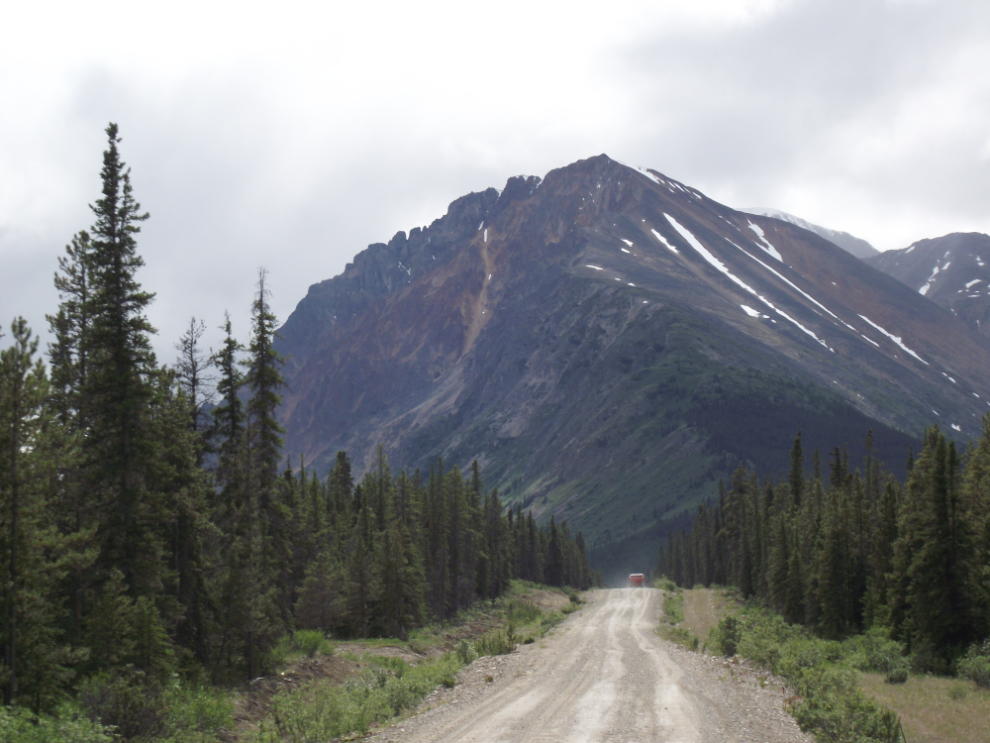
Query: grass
[(390, 686), (828, 700), (673, 609), (324, 711), (65, 725), (935, 710), (299, 644), (704, 608)]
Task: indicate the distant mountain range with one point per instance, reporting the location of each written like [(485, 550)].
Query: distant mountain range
[(952, 271), (850, 243), (608, 343)]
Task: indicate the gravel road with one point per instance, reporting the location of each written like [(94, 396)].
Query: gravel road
[(604, 675)]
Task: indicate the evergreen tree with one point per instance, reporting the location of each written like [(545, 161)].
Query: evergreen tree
[(796, 476), (23, 389), (192, 374), (118, 389)]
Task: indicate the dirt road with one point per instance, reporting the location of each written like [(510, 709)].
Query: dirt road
[(603, 675)]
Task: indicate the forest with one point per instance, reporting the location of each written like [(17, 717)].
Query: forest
[(842, 552), (153, 528)]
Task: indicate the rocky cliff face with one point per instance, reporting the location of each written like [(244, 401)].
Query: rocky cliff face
[(952, 271), (608, 343)]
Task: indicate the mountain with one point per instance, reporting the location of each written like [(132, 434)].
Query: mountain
[(952, 271), (850, 243), (608, 343)]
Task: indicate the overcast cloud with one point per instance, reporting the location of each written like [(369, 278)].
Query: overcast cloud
[(294, 139)]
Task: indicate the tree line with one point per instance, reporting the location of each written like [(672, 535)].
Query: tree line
[(852, 550), (150, 524)]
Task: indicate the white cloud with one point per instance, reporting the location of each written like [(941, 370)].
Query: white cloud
[(294, 138)]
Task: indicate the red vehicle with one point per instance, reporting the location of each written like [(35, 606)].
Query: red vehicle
[(637, 580)]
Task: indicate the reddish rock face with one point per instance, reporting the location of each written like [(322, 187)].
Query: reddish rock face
[(608, 343)]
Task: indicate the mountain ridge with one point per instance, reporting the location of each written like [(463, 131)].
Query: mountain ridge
[(952, 271), (591, 335), (850, 243)]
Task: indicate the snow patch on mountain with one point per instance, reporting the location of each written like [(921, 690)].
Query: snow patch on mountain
[(896, 339), (850, 243), (707, 255), (766, 246), (663, 239)]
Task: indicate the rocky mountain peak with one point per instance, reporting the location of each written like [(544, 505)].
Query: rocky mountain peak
[(608, 343), (953, 271)]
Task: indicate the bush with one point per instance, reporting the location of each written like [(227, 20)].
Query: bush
[(829, 702), (322, 711), (194, 714), (673, 607), (466, 652), (897, 675), (520, 612), (309, 641), (67, 725), (680, 635), (874, 650), (496, 643), (723, 638), (126, 700), (664, 583), (975, 665)]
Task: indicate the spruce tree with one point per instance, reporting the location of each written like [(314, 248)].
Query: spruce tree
[(35, 556), (118, 396)]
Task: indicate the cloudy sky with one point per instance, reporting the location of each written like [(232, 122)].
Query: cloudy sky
[(293, 138)]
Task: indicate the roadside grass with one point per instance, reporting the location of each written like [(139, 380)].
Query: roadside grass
[(392, 686), (704, 608), (324, 711), (301, 644), (65, 725), (828, 699), (935, 710)]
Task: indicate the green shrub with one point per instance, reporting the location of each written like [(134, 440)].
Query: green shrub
[(466, 652), (322, 711), (519, 612), (309, 641), (496, 643), (874, 650), (664, 583), (975, 665), (673, 607), (681, 636), (194, 714), (66, 725), (828, 701), (127, 700), (723, 638), (897, 675)]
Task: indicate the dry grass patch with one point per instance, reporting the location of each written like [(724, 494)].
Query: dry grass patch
[(703, 609), (935, 710)]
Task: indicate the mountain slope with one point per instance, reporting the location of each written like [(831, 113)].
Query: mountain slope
[(952, 271), (850, 243), (608, 343)]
